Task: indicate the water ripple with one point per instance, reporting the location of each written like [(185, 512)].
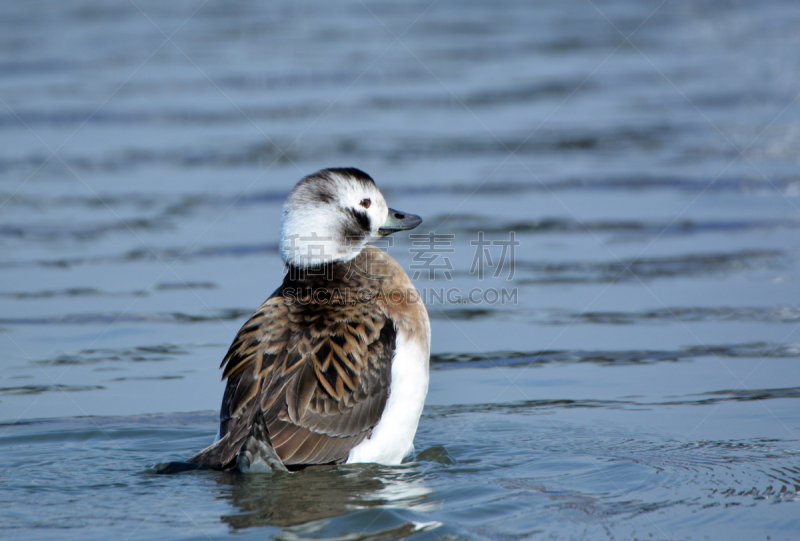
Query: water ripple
[(702, 399), (39, 389), (475, 224), (443, 361), (650, 268), (54, 232), (167, 256), (159, 352), (232, 314), (768, 314)]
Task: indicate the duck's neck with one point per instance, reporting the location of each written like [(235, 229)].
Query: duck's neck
[(333, 282)]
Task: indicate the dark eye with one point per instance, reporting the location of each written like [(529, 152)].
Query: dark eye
[(365, 203)]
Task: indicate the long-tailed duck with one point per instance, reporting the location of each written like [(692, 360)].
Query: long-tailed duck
[(333, 367)]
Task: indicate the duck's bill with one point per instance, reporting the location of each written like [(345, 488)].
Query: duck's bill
[(399, 221)]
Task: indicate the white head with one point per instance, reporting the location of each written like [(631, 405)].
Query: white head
[(330, 216)]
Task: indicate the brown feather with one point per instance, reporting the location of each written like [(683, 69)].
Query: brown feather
[(319, 371)]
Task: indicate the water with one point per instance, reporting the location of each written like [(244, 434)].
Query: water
[(639, 379)]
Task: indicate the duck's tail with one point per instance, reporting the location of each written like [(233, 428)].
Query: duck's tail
[(255, 454)]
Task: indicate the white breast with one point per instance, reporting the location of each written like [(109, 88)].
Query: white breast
[(393, 437)]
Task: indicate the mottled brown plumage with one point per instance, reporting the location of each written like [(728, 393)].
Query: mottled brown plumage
[(313, 364)]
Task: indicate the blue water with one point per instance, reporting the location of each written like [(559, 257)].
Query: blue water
[(633, 371)]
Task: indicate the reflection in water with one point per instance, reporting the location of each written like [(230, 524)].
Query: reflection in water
[(321, 492)]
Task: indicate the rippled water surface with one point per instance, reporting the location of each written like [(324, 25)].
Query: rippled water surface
[(631, 372)]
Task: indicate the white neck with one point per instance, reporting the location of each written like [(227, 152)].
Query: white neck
[(314, 236)]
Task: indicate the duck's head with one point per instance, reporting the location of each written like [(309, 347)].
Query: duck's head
[(330, 215)]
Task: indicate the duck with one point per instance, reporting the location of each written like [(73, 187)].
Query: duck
[(333, 368)]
